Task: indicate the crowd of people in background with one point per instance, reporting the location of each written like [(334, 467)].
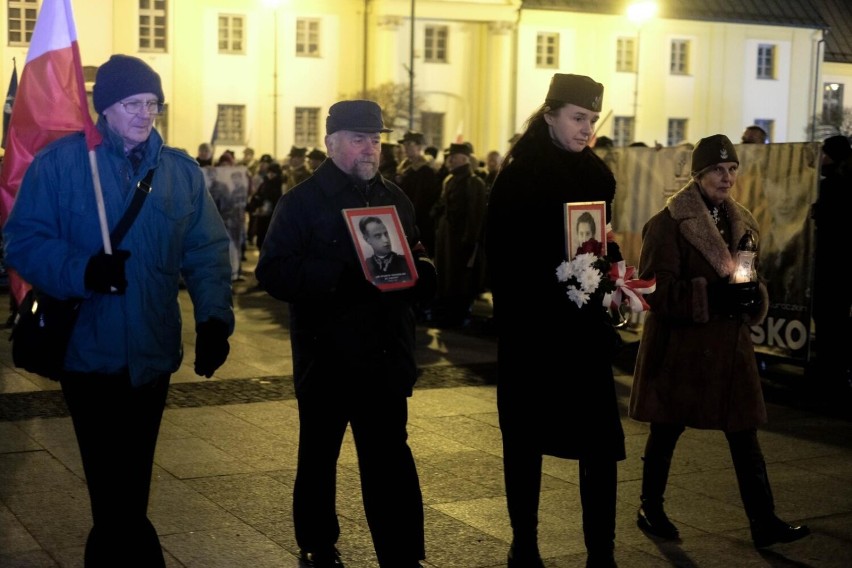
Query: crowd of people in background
[(464, 241), (449, 191)]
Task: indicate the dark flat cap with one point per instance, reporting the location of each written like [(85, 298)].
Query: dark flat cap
[(296, 152), (465, 148), (356, 116), (411, 136)]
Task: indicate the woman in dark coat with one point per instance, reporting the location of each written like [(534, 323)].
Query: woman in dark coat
[(696, 365), (556, 391)]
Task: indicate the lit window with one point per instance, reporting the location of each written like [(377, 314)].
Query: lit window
[(625, 55), (432, 127), (152, 25), (230, 125), (20, 19), (231, 33), (622, 134), (306, 127), (679, 57), (307, 37), (435, 46), (765, 61), (547, 50), (676, 131)]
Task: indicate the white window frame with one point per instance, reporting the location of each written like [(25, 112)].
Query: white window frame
[(625, 55), (679, 63), (677, 131), (436, 42), (231, 125), (232, 34), (308, 37), (766, 55), (547, 50), (432, 126), (21, 16), (306, 126), (623, 130), (153, 25)]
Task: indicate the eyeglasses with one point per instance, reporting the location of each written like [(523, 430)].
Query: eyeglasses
[(135, 107)]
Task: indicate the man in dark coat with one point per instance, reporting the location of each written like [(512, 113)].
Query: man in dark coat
[(420, 183), (459, 216), (353, 345), (833, 311), (555, 385)]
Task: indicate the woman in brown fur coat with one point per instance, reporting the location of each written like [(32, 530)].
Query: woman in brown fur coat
[(696, 365)]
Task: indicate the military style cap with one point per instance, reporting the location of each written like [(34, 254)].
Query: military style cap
[(576, 90)]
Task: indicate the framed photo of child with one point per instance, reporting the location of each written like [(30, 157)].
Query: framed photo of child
[(584, 221), (382, 249)]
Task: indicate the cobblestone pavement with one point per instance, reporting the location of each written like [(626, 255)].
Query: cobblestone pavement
[(225, 465)]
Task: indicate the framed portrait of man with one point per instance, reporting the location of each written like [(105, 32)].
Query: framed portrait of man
[(382, 249), (585, 221)]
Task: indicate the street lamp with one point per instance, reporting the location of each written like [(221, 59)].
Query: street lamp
[(274, 5), (639, 13)]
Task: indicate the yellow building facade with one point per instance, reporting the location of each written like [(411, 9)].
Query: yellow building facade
[(269, 70)]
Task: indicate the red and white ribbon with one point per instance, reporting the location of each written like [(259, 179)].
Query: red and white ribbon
[(628, 289)]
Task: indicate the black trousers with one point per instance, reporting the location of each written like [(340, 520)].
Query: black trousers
[(390, 487), (116, 427), (749, 465), (522, 468)]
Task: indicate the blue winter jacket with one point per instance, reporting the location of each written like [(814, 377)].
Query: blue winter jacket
[(54, 229)]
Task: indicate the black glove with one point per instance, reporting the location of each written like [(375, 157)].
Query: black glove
[(105, 272), (427, 280), (211, 346), (746, 296), (731, 299)]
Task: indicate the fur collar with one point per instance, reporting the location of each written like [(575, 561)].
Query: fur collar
[(697, 227)]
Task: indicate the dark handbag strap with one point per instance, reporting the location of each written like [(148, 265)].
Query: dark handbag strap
[(143, 188)]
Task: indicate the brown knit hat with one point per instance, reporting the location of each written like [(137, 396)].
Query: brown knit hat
[(712, 150)]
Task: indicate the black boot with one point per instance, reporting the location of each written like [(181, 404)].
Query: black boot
[(601, 561), (756, 493), (524, 556), (522, 475), (773, 530), (659, 449), (652, 519), (598, 488)]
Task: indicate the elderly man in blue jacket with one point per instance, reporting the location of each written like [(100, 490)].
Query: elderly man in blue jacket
[(126, 342)]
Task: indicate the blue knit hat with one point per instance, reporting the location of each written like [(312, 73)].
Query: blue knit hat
[(122, 76)]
